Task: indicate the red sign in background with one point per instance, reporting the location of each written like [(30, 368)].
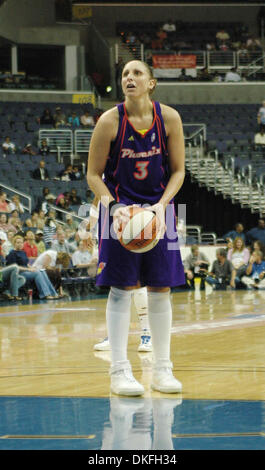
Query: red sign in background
[(171, 61)]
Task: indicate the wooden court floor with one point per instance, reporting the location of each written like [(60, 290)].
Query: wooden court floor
[(217, 348)]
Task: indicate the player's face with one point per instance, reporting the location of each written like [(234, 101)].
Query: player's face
[(135, 79)]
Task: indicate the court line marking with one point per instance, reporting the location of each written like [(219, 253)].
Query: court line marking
[(175, 436), (210, 325), (225, 434), (90, 436), (39, 312)]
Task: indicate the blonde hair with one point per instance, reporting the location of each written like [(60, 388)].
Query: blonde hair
[(234, 244), (16, 237), (63, 258)]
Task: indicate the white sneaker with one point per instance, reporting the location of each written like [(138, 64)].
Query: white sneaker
[(164, 381), (103, 345), (123, 381), (145, 344)]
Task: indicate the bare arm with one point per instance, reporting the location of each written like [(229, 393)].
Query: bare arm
[(176, 150), (104, 133)]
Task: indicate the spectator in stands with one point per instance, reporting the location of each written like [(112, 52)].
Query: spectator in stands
[(3, 239), (224, 46), (60, 243), (11, 281), (170, 28), (31, 274), (30, 246), (15, 204), (216, 77), (44, 149), (210, 46), (195, 265), (8, 146), (73, 120), (52, 261), (67, 173), (131, 40), (83, 257), (62, 202), (259, 246), (74, 198), (261, 116), (257, 233), (4, 206), (32, 221), (42, 199), (221, 37), (76, 174), (52, 215), (87, 120), (15, 221), (49, 232), (41, 173), (41, 219), (5, 225), (28, 150), (46, 117), (49, 199), (243, 54), (222, 273), (237, 232), (204, 75), (232, 76), (7, 246), (259, 139), (71, 224), (182, 77), (255, 271), (158, 41), (59, 117), (239, 257), (253, 44), (39, 242)]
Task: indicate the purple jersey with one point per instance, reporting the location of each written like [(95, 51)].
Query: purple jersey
[(137, 169)]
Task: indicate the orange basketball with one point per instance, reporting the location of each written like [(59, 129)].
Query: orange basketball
[(139, 234)]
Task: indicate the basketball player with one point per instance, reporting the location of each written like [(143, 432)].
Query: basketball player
[(139, 297), (139, 146)]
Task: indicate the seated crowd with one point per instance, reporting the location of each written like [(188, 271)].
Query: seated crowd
[(241, 264), (59, 118), (36, 251)]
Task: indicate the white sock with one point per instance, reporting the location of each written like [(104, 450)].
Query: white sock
[(160, 319), (141, 303), (118, 315)]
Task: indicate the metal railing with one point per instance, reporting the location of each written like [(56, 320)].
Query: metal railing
[(82, 140), (218, 59), (194, 231), (213, 60), (195, 133), (60, 140)]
